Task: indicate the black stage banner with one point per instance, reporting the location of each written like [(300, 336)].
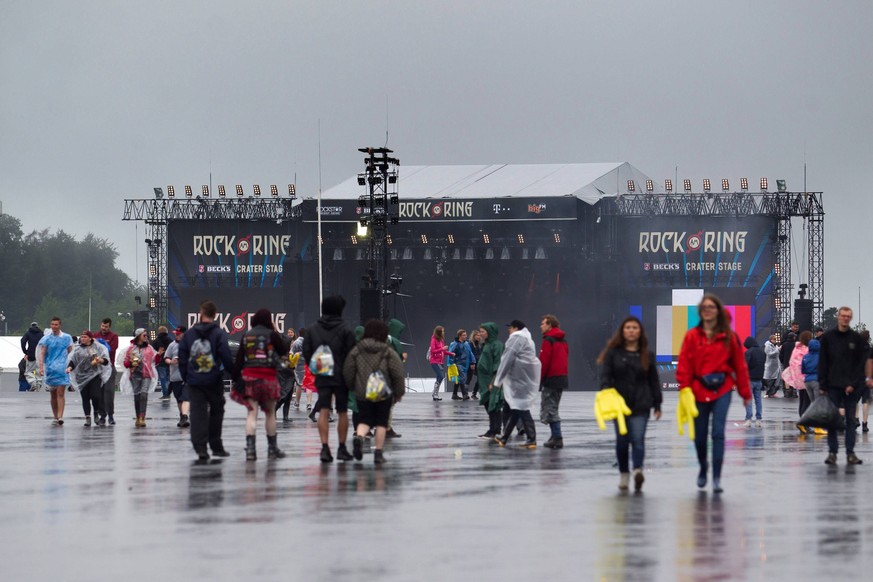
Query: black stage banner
[(452, 210)]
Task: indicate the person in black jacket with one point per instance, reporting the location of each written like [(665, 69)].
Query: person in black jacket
[(755, 360), (629, 366), (28, 345), (331, 331), (785, 351), (160, 345), (841, 361)]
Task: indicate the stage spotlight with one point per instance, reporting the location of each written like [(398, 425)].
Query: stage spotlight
[(204, 191), (188, 192), (152, 302), (362, 228), (781, 186), (239, 191), (777, 303), (668, 185), (159, 193), (521, 239), (504, 254), (153, 270), (631, 187), (171, 192), (292, 190), (540, 254), (451, 238), (274, 191), (706, 185), (686, 185), (777, 269), (486, 239), (221, 191), (557, 238), (764, 184), (354, 239), (389, 240), (489, 254), (362, 180), (650, 186), (424, 239), (725, 185), (257, 190), (744, 184)]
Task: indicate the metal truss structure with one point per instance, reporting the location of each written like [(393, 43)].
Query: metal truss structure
[(782, 206), (158, 211)]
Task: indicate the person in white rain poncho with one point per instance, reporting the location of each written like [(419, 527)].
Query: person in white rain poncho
[(140, 375), (88, 366), (519, 376)]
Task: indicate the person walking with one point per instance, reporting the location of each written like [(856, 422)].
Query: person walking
[(809, 369), (772, 367), (141, 375), (160, 344), (51, 356), (491, 398), (841, 362), (793, 375), (437, 354), (519, 377), (785, 351), (372, 355), (628, 365), (177, 386), (756, 362), (330, 334), (202, 352), (476, 347), (711, 363), (29, 341), (89, 365), (463, 358), (111, 340), (256, 383), (555, 357)]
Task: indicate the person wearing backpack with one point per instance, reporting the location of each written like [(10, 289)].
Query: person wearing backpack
[(371, 361), (202, 352), (330, 336), (256, 383)]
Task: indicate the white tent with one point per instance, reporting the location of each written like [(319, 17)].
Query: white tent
[(588, 182), (10, 351)]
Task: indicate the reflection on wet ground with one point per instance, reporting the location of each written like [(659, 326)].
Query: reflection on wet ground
[(86, 503)]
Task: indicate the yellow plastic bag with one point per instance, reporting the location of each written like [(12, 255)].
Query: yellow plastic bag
[(453, 373), (609, 405), (293, 359), (686, 411)]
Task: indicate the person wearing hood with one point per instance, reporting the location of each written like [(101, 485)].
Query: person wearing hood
[(256, 384), (88, 365), (202, 352), (463, 358), (519, 377), (29, 341), (300, 371), (160, 345), (809, 369), (554, 356), (331, 332), (476, 346), (793, 376), (491, 397), (371, 357), (140, 375), (756, 362), (772, 367), (785, 351)]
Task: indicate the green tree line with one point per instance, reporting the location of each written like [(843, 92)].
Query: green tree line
[(45, 274)]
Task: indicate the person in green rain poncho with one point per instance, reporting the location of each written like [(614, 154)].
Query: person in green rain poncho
[(491, 397)]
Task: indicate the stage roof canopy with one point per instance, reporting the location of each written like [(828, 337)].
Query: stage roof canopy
[(588, 182)]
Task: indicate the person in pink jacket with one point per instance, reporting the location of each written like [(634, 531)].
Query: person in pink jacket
[(437, 354), (793, 376)]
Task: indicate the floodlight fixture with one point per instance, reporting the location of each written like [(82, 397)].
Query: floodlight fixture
[(221, 191), (171, 192), (631, 187), (153, 302), (362, 228), (159, 193), (781, 186), (424, 239), (239, 191), (668, 185), (274, 191), (389, 240), (292, 190), (520, 239), (744, 184), (188, 192), (557, 238), (204, 190), (362, 180), (763, 184), (650, 186), (451, 238), (707, 186), (257, 189), (153, 270), (725, 185), (486, 239), (686, 185), (354, 239)]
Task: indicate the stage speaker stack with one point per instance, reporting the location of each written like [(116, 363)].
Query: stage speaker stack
[(369, 305), (803, 313)]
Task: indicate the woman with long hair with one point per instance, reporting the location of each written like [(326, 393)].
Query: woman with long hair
[(711, 363), (628, 365), (437, 354), (140, 375)]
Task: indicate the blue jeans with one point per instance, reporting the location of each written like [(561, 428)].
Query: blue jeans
[(757, 387), (718, 409), (164, 378), (440, 371), (635, 438)]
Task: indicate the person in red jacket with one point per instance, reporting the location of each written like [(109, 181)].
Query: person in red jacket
[(554, 354), (711, 363)]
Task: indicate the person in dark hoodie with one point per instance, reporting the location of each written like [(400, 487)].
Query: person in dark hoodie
[(809, 369), (463, 359), (476, 346), (786, 348), (755, 360), (491, 397), (331, 331), (28, 345), (554, 356), (395, 328), (629, 366), (201, 371), (256, 383), (160, 345)]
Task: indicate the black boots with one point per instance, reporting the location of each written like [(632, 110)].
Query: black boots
[(378, 457), (273, 450), (251, 454), (530, 431)]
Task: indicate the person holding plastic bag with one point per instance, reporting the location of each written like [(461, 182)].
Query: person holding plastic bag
[(463, 358), (711, 364), (88, 366), (436, 356), (519, 377), (140, 375), (375, 372), (628, 365), (793, 375)]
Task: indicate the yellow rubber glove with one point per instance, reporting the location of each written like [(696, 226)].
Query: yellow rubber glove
[(293, 359), (609, 405), (686, 411)]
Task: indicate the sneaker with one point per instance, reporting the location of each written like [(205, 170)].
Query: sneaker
[(554, 443), (758, 424), (101, 421), (296, 405), (342, 453), (455, 397), (378, 457), (60, 421), (488, 436), (623, 481), (529, 445), (475, 397), (87, 421), (308, 407), (801, 428), (437, 398), (202, 454), (832, 459), (465, 397), (500, 441), (358, 448), (326, 457), (701, 476), (639, 478), (716, 486), (55, 422), (821, 431), (185, 422), (218, 451), (747, 424), (111, 419), (390, 434), (312, 416), (851, 459)]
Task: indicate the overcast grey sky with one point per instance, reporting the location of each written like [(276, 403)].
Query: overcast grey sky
[(101, 101)]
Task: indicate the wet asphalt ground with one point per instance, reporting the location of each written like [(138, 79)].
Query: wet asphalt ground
[(120, 503)]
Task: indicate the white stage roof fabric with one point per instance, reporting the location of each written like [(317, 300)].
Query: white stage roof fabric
[(588, 182)]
